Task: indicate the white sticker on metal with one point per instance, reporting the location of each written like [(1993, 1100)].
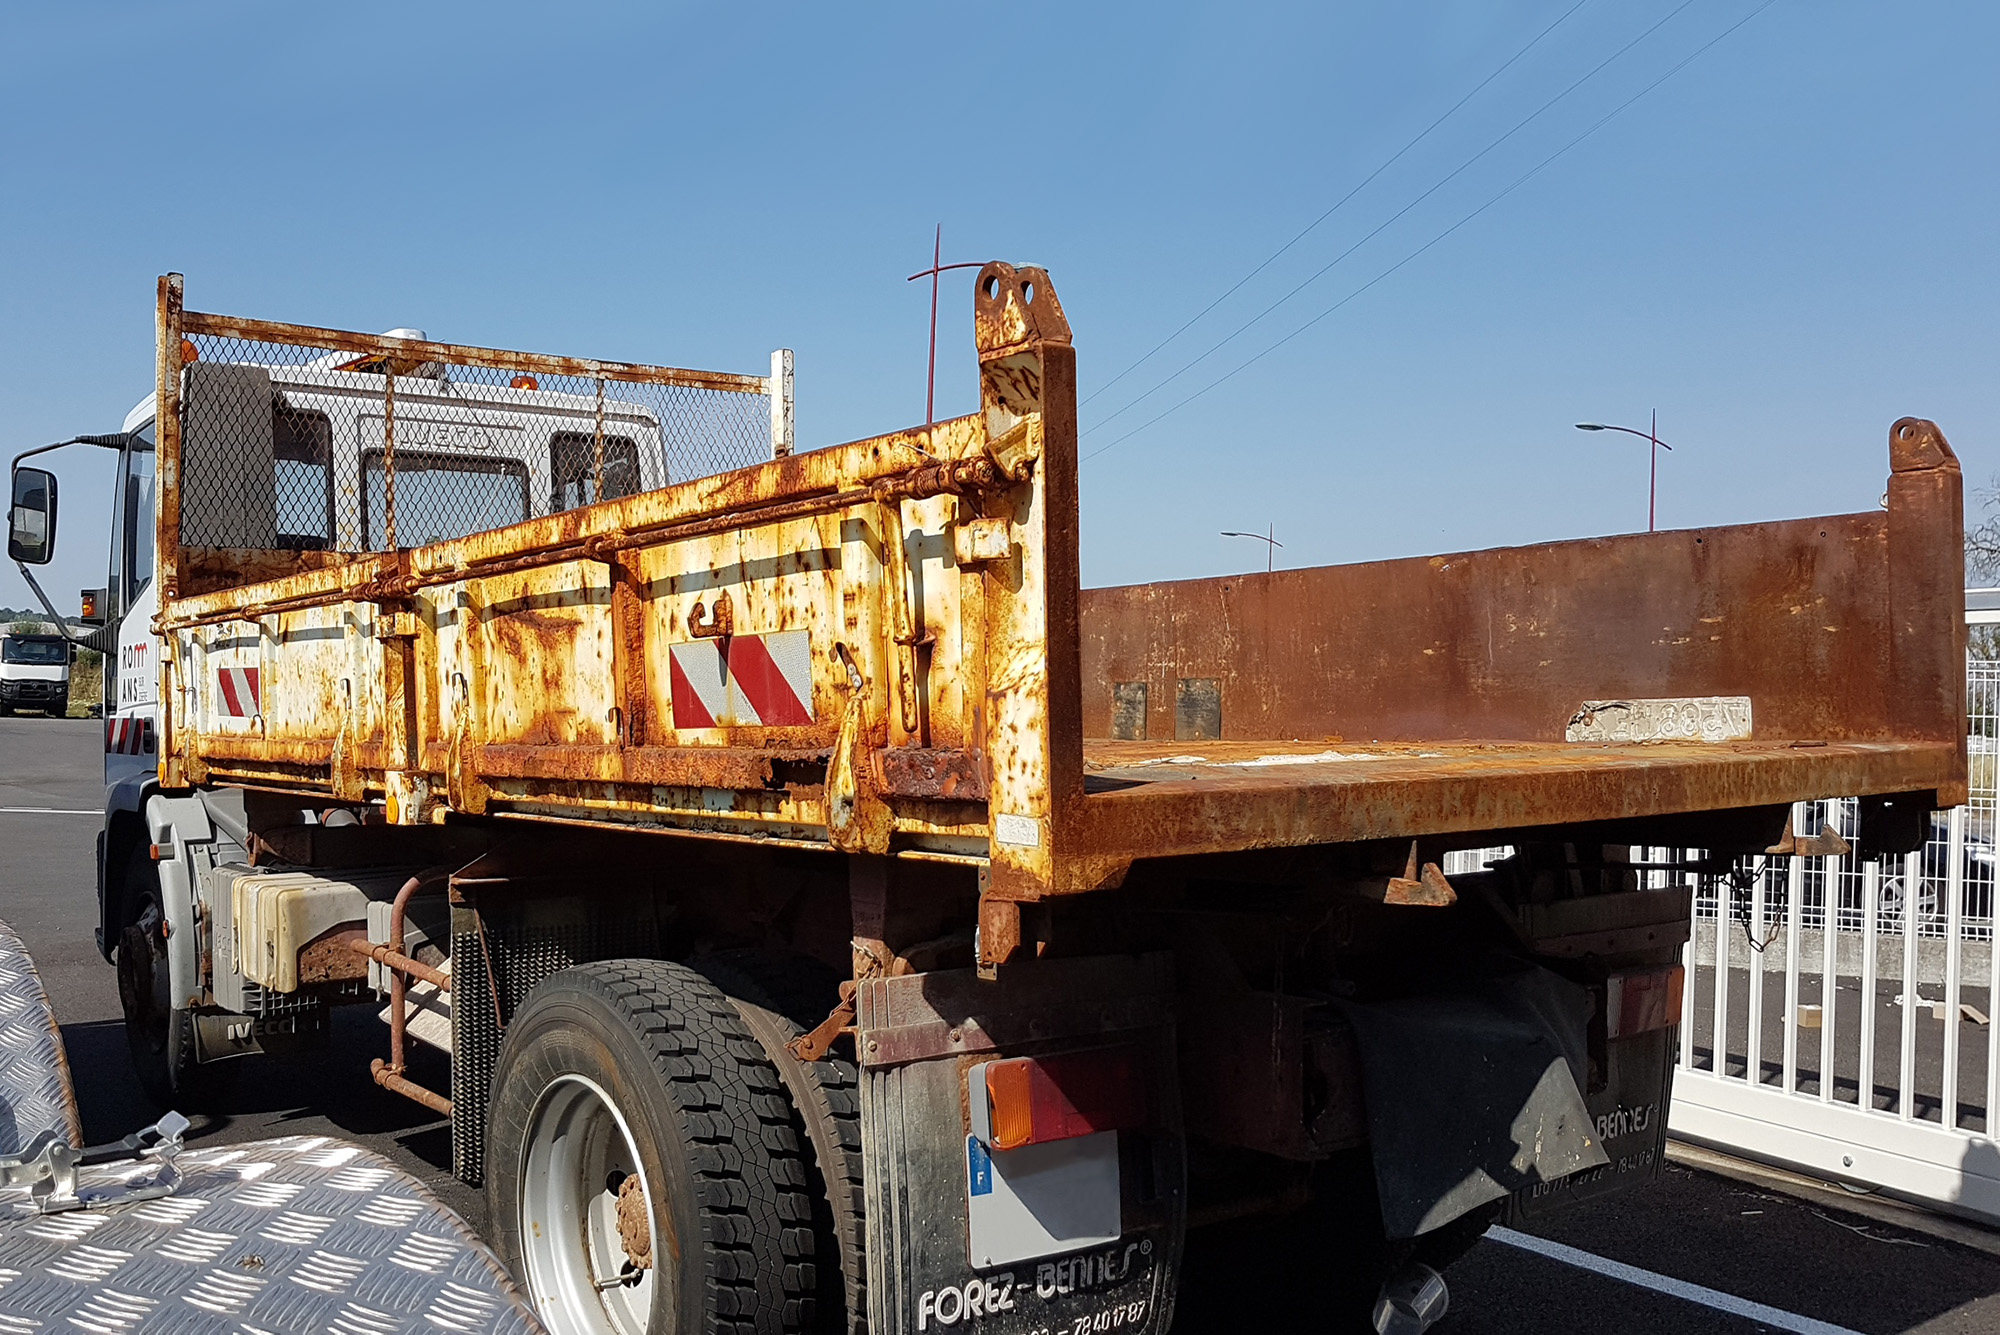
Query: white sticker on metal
[(1017, 831), (1705, 718)]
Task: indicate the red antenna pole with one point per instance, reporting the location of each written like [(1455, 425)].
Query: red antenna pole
[(937, 267)]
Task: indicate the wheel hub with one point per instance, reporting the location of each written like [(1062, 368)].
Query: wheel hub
[(635, 1230)]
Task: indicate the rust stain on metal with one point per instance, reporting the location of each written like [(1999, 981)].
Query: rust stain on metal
[(418, 351), (934, 772), (330, 956), (908, 610)]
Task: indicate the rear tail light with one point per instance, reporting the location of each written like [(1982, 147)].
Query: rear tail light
[(1035, 1100), (1642, 1000)]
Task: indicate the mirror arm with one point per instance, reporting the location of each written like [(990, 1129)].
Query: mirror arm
[(96, 640), (117, 440)]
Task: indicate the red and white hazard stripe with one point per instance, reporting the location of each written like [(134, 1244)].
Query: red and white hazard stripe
[(236, 691), (129, 735), (743, 681)]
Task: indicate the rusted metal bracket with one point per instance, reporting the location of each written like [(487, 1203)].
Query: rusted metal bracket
[(716, 625), (1425, 888), (1826, 844), (1008, 930), (939, 773), (813, 1046), (1015, 450)]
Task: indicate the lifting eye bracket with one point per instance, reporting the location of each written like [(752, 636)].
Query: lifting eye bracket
[(706, 626)]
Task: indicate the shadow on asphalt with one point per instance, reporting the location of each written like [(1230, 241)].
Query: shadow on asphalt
[(330, 1089)]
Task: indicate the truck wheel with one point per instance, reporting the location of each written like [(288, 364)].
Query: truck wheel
[(159, 1034), (643, 1175), (781, 996)]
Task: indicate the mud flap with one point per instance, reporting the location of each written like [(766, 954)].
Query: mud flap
[(1629, 1115), (1475, 1092), (1079, 1236)]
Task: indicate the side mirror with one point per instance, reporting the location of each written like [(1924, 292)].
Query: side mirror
[(31, 521)]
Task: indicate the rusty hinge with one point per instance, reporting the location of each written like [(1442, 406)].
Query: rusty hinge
[(812, 1046)]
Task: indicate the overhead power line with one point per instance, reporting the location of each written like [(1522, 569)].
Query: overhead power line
[(1518, 182), (1309, 227), (1453, 175)]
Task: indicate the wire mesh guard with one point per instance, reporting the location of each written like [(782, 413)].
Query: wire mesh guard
[(290, 447)]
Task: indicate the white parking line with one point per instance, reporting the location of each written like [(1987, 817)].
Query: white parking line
[(47, 811), (1775, 1317)]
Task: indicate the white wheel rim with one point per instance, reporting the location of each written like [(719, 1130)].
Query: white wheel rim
[(576, 1262)]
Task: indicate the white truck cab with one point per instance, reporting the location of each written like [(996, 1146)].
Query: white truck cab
[(316, 431), (34, 673)]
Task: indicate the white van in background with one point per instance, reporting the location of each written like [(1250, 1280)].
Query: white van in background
[(34, 674)]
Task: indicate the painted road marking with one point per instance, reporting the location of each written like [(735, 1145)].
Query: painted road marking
[(47, 811), (1716, 1299)]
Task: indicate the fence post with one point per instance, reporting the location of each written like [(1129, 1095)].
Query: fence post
[(781, 403), (1906, 1074), (1831, 873), (1954, 925), (1759, 931)]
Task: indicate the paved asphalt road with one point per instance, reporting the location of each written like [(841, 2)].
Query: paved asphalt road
[(1815, 1263)]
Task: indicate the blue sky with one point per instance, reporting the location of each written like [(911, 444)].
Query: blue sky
[(1783, 247)]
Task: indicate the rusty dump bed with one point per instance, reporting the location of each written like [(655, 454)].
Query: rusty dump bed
[(883, 646)]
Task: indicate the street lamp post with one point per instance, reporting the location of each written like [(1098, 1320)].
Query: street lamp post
[(938, 266), (1653, 437), (1270, 541)]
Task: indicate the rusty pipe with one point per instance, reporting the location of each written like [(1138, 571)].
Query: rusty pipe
[(416, 968), (389, 1074), (410, 1089)]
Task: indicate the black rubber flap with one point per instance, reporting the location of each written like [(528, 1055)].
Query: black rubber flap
[(1473, 1093)]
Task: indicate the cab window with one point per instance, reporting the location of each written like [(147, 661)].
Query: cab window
[(573, 469), (441, 496), (302, 458), (137, 530)]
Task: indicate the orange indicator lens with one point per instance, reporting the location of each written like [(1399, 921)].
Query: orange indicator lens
[(1037, 1100)]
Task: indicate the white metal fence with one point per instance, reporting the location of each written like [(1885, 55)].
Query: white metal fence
[(1837, 1015)]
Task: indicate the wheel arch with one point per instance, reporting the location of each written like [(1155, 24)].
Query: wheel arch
[(124, 827)]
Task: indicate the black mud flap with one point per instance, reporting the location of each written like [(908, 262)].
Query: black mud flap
[(1475, 1093), (1629, 1114), (1075, 1236)]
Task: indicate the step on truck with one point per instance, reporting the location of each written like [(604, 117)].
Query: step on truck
[(836, 917)]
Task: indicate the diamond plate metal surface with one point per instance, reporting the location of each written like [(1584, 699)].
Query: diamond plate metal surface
[(301, 1234), (35, 1091)]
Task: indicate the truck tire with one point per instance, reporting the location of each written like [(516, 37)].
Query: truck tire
[(781, 996), (158, 1034), (642, 1070)]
